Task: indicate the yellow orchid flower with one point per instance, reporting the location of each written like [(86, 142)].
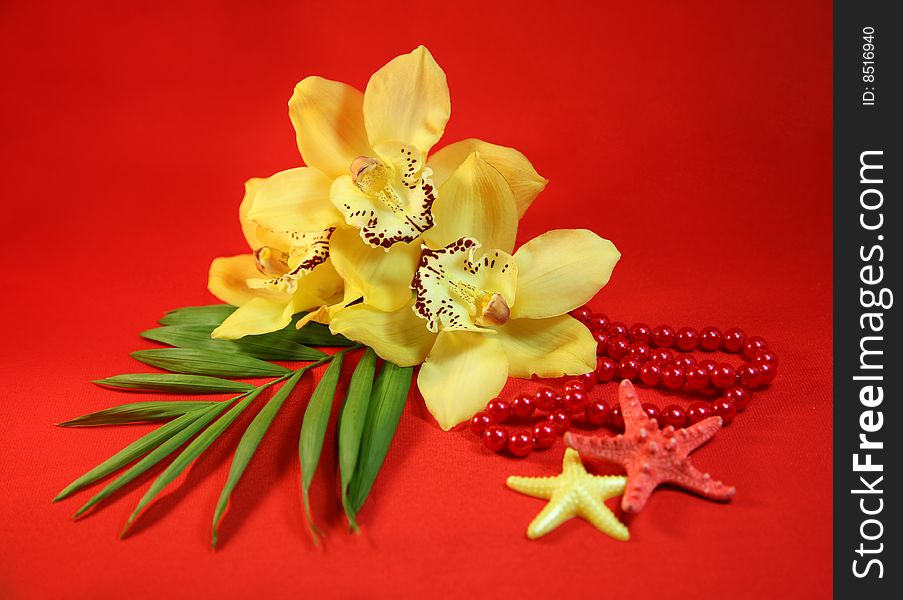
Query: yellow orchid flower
[(288, 272), (471, 188), (391, 194), (480, 317)]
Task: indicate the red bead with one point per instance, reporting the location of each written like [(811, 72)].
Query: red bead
[(574, 385), (724, 409), (753, 346), (561, 420), (698, 411), (653, 412), (708, 364), (588, 380), (597, 412), (749, 375), (616, 419), (767, 356), (574, 402), (723, 376), (661, 355), (480, 422), (495, 438), (672, 377), (733, 339), (618, 347), (663, 336), (674, 416), (582, 314), (499, 410), (739, 395), (768, 372), (618, 329), (685, 361), (520, 444), (606, 369), (686, 339), (523, 406), (598, 322), (544, 435), (602, 339), (697, 378), (651, 374), (640, 332), (710, 338), (629, 368), (640, 351), (545, 398)]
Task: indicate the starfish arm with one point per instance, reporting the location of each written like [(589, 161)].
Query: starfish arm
[(639, 487), (613, 449), (594, 510), (635, 418), (694, 480), (608, 486), (560, 508), (538, 487), (696, 435), (571, 466)]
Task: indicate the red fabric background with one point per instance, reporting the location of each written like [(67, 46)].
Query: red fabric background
[(696, 135)]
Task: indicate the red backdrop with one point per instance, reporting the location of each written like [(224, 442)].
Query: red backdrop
[(696, 135)]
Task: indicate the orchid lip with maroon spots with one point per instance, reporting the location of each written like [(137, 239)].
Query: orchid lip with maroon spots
[(389, 197), (287, 268), (458, 290)]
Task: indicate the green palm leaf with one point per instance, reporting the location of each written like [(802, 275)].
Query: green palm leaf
[(159, 453), (128, 454), (136, 412), (174, 382), (316, 334), (261, 346), (248, 446), (208, 362), (189, 454), (351, 425), (313, 430), (213, 314), (386, 404)]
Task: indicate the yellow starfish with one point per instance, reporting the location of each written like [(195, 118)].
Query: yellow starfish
[(574, 493)]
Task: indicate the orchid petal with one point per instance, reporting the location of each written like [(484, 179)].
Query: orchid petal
[(249, 227), (407, 101), (329, 124), (383, 277), (398, 336), (270, 310), (295, 200), (452, 283), (320, 287), (474, 202), (462, 373), (228, 278), (547, 347), (561, 270), (525, 182), (258, 315), (325, 313), (394, 217)]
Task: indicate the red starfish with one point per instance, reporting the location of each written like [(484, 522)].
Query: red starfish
[(652, 456)]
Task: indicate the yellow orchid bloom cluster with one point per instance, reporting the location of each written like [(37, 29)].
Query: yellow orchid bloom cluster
[(410, 253)]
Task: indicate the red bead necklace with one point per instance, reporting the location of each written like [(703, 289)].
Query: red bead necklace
[(639, 353)]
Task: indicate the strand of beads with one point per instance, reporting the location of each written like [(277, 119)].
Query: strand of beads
[(560, 411), (639, 353)]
